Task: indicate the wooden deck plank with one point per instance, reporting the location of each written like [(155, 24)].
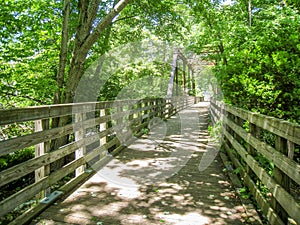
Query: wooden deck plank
[(156, 181)]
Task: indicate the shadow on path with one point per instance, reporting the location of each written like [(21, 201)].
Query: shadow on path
[(156, 180)]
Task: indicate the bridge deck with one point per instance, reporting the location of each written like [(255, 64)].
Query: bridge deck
[(157, 180)]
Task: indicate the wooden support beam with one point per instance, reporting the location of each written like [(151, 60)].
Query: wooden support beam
[(184, 77), (281, 178), (79, 135), (172, 75), (42, 149)]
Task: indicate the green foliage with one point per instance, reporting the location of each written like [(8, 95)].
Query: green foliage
[(246, 126), (244, 192), (139, 80), (258, 64), (265, 163), (29, 51), (263, 75), (215, 131), (15, 158)]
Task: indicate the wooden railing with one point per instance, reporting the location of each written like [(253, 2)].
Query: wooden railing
[(93, 140), (265, 153)]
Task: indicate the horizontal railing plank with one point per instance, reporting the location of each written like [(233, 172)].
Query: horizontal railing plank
[(138, 118), (256, 193), (279, 127), (287, 165), (279, 193)]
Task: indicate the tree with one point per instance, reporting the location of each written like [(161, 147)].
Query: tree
[(29, 48), (256, 52)]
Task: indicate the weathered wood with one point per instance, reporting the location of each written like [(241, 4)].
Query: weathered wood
[(44, 112), (287, 135), (279, 127), (79, 135), (18, 198), (176, 81), (14, 144), (34, 212), (30, 191), (103, 127), (256, 193), (22, 169), (42, 137), (100, 150), (25, 114), (282, 196), (291, 149), (184, 76), (280, 177), (172, 75), (41, 149), (287, 165)]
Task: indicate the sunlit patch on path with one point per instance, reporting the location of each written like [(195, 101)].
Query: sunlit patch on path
[(141, 186)]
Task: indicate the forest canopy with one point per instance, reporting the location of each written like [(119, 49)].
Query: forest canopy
[(46, 46)]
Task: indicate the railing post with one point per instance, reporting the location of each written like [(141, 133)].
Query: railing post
[(167, 108), (140, 114), (131, 109), (254, 131), (119, 125), (163, 108), (281, 178), (103, 127), (41, 149), (145, 111), (79, 135), (152, 110)]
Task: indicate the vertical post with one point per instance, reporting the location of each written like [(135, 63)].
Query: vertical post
[(184, 77), (41, 149), (254, 131), (176, 81), (153, 109), (156, 109), (189, 86), (171, 82), (79, 135), (130, 108), (140, 114), (250, 12), (144, 111), (103, 127), (163, 108), (291, 149), (119, 124), (281, 178), (193, 84)]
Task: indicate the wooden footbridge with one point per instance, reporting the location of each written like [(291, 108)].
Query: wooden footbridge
[(149, 161), (119, 172)]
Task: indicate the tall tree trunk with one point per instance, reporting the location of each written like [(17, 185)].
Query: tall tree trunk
[(62, 57), (250, 12), (85, 37), (63, 52)]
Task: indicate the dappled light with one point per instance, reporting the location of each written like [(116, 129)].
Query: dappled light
[(145, 184), (150, 112)]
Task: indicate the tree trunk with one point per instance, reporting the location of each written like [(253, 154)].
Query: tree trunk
[(84, 41), (250, 12), (85, 37)]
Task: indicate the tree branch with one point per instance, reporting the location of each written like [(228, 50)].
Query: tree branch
[(83, 42), (123, 18), (106, 21), (25, 97), (63, 52)]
